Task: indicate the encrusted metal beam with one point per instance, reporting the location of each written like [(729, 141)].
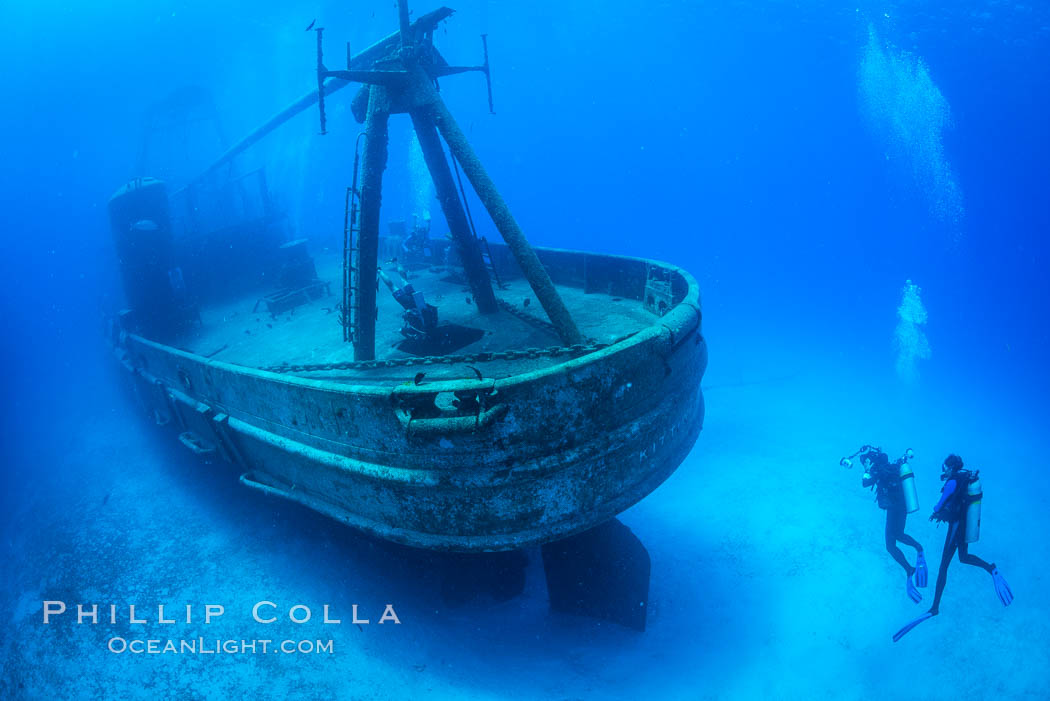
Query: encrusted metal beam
[(445, 187), (373, 163), (426, 98)]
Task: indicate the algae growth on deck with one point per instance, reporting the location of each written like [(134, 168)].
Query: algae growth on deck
[(242, 332)]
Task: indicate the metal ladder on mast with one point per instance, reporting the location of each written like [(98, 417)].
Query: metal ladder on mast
[(351, 226), (483, 244), (486, 258)]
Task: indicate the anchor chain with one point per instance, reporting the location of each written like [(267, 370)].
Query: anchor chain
[(529, 319), (575, 351)]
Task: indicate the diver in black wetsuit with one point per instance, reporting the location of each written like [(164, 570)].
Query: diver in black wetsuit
[(884, 476), (952, 509), (959, 507)]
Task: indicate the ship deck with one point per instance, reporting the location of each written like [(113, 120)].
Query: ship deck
[(241, 331)]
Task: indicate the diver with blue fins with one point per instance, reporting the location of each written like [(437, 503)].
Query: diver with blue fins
[(894, 485), (959, 507)]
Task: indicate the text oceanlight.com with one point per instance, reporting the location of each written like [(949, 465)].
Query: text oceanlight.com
[(202, 646)]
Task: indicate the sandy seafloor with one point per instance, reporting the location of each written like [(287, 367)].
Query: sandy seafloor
[(769, 575)]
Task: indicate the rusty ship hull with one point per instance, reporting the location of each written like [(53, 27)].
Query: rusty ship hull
[(555, 441)]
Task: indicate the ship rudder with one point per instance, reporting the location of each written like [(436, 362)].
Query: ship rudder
[(601, 573)]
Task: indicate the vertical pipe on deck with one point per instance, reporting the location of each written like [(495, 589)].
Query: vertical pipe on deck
[(441, 174), (403, 23), (372, 167), (347, 260)]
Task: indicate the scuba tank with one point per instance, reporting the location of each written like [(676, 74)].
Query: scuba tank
[(907, 478), (973, 509)]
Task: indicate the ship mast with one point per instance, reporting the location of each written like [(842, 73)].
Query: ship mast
[(400, 78), (331, 85)]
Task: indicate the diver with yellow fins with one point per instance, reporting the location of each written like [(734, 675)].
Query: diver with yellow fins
[(894, 485), (959, 507)]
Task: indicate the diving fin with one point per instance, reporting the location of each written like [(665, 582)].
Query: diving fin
[(1001, 587), (906, 629), (913, 593), (921, 573)]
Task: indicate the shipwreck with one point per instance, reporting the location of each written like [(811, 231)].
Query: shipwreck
[(446, 393)]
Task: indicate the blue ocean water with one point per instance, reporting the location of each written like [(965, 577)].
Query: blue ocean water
[(804, 160)]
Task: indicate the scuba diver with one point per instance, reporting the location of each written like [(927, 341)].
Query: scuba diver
[(960, 508), (420, 319), (894, 486), (415, 245)]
